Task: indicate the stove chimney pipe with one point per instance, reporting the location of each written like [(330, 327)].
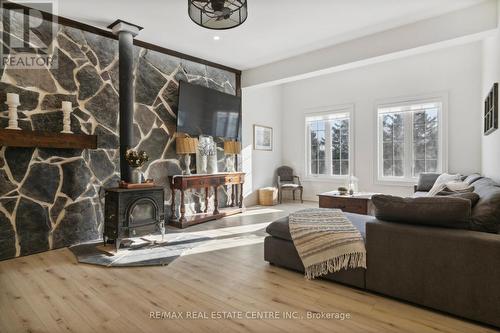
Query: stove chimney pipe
[(126, 33)]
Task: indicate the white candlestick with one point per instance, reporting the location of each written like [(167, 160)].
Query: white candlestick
[(67, 108), (13, 103), (12, 98)]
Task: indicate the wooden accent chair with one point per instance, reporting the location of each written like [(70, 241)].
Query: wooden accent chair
[(287, 181)]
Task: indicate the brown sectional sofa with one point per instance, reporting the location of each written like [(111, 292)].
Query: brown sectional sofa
[(451, 270)]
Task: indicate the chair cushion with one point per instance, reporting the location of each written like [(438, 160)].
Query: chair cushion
[(279, 228), (290, 185), (426, 181), (441, 211)]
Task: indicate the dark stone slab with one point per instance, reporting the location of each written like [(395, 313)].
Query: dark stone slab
[(89, 80), (9, 204), (160, 170), (76, 178), (56, 209), (105, 76), (171, 95), (92, 58), (39, 78), (75, 35), (111, 182), (80, 114), (228, 89), (137, 135), (106, 139), (215, 86), (54, 101), (167, 118), (24, 124), (78, 225), (221, 76), (144, 118), (148, 83), (105, 107), (115, 76), (198, 80), (27, 98), (154, 145), (181, 75), (100, 164), (46, 31), (42, 182), (194, 68), (7, 238), (33, 226), (90, 193), (67, 45), (163, 62), (62, 70), (18, 160), (46, 153), (53, 122), (5, 184), (106, 49)]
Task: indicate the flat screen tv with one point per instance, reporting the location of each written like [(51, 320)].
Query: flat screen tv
[(208, 112)]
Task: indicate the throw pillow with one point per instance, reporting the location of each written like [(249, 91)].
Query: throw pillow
[(444, 211), (472, 178), (426, 180)]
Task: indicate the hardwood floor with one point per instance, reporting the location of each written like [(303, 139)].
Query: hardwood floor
[(51, 292)]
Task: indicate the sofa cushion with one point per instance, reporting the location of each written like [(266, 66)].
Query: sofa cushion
[(426, 181), (471, 196), (441, 211), (279, 228), (472, 178), (486, 213)]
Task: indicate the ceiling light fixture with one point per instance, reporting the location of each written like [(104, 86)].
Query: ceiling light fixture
[(216, 37), (218, 14)]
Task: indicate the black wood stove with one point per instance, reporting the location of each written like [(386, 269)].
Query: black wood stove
[(133, 213)]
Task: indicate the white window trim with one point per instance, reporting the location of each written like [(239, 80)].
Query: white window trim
[(323, 111), (441, 97)]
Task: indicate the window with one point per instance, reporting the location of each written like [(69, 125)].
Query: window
[(328, 142), (410, 140)]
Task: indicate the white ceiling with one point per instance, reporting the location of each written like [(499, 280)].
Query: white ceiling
[(274, 30)]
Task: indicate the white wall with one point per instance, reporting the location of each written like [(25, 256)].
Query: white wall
[(491, 74), (261, 106), (455, 70)]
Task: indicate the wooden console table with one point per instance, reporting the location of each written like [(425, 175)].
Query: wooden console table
[(186, 182)]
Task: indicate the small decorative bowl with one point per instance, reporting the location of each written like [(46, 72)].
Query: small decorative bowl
[(342, 190)]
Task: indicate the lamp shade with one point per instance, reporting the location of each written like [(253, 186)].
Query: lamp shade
[(186, 145), (232, 147)]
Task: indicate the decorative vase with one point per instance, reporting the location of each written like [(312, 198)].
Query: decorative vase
[(67, 108), (187, 164), (230, 163), (203, 164), (136, 176)]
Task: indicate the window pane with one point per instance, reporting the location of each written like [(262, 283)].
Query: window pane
[(425, 141), (314, 166), (321, 167), (398, 168), (387, 151), (344, 167), (388, 168), (399, 150), (336, 167)]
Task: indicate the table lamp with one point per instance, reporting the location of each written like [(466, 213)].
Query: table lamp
[(186, 146), (231, 148)]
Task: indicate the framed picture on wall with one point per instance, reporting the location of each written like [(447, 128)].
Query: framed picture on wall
[(262, 137), (491, 110)]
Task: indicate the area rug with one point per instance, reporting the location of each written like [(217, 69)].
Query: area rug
[(143, 252)]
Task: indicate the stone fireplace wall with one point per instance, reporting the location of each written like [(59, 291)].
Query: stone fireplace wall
[(51, 198)]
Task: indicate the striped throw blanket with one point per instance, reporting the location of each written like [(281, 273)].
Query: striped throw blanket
[(326, 241)]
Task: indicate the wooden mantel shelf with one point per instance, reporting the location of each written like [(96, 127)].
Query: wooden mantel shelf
[(15, 138)]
